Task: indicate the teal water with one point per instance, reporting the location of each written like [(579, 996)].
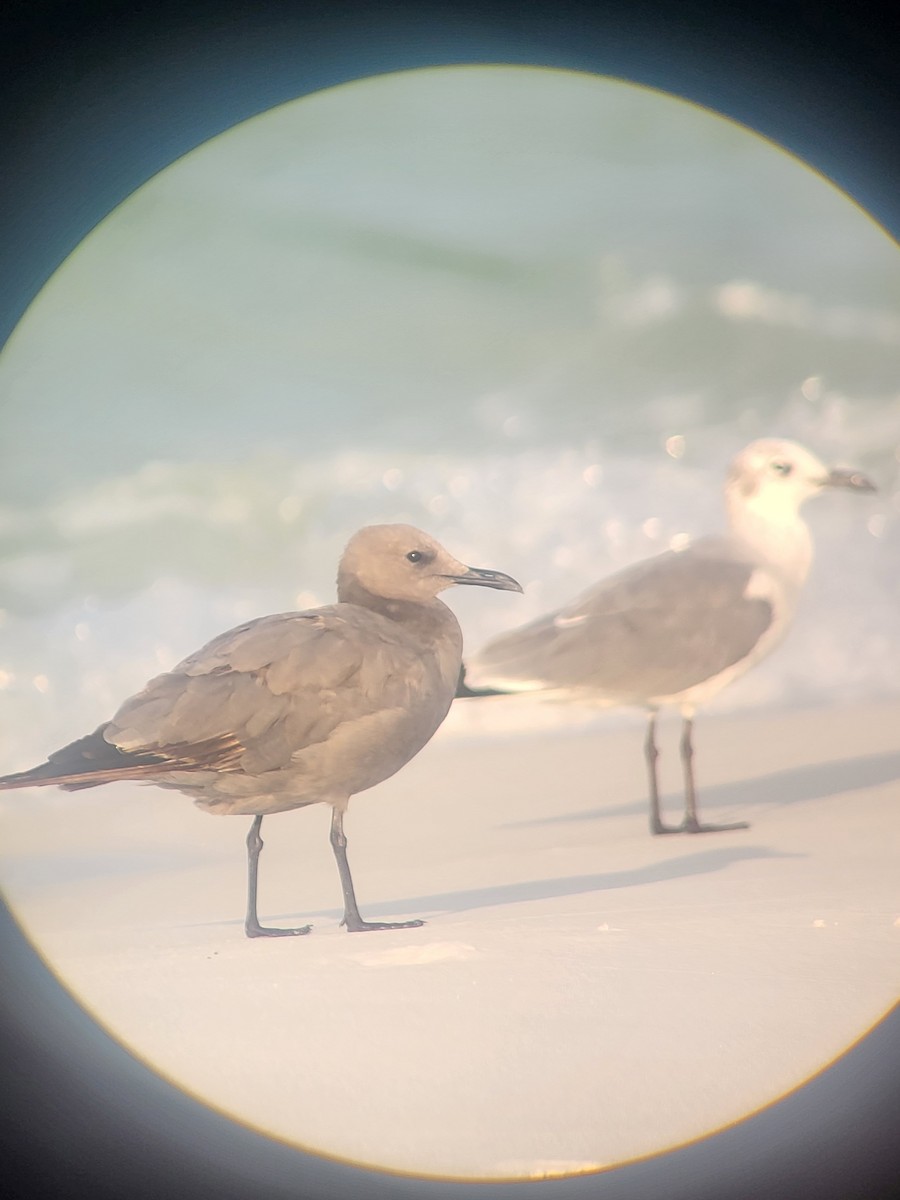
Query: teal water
[(531, 311)]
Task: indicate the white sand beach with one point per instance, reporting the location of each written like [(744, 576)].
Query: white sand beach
[(581, 995)]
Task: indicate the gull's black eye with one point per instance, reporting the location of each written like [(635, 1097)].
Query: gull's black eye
[(414, 556), (783, 468)]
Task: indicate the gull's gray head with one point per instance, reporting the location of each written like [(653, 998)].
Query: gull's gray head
[(772, 477), (399, 562)]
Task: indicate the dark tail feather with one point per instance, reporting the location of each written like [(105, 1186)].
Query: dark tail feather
[(464, 692), (47, 775), (93, 760), (85, 763)]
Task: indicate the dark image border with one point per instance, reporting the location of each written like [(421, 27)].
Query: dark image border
[(97, 96)]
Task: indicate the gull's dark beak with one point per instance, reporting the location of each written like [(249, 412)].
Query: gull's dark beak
[(492, 579), (847, 477)]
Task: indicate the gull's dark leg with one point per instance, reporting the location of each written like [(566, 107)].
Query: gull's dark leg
[(352, 919), (252, 927), (651, 754), (691, 823)]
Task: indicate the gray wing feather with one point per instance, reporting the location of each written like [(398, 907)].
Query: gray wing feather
[(654, 629), (274, 685)]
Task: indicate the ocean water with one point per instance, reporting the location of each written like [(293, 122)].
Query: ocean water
[(533, 312)]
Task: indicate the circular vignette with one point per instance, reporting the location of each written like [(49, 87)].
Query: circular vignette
[(75, 156)]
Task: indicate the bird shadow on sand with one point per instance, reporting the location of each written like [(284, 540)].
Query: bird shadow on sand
[(701, 862), (794, 785)]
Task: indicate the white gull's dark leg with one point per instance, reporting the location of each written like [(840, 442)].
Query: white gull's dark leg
[(691, 822)]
